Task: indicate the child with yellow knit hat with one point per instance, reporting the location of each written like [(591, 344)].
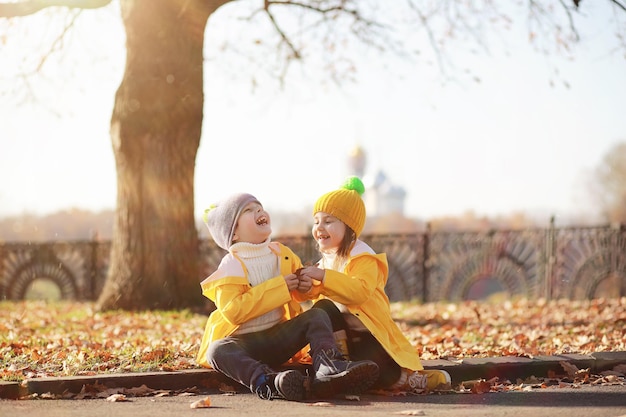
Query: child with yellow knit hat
[(349, 284), (258, 327)]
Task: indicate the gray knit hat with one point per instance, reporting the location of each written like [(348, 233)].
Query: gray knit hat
[(221, 218)]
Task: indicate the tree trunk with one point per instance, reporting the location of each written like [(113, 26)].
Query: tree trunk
[(155, 132)]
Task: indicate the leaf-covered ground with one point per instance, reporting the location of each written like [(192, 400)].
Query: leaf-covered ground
[(40, 339), (514, 328)]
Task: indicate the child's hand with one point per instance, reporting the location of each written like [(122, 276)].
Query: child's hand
[(313, 272), (305, 283), (292, 281)]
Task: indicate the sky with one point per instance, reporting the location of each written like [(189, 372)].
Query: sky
[(517, 141)]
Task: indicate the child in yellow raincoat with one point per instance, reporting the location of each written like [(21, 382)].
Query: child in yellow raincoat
[(257, 326), (349, 284)]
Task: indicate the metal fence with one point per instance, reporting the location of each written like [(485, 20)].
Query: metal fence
[(552, 263)]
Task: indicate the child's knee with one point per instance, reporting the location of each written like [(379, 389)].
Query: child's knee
[(215, 351), (319, 314)]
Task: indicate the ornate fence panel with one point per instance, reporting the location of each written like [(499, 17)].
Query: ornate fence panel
[(77, 268), (589, 263), (405, 255), (500, 261), (574, 263)]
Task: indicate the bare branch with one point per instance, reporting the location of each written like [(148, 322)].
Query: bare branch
[(540, 14), (323, 15), (283, 35), (570, 19), (57, 42), (424, 19), (618, 4), (28, 7), (332, 11), (318, 9)]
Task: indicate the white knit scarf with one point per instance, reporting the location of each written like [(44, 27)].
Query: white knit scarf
[(262, 264)]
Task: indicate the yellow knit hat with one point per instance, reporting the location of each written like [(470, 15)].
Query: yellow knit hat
[(345, 204)]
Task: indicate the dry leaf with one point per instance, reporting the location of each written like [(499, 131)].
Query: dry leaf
[(533, 380), (411, 413), (116, 398), (321, 404), (470, 383), (203, 403), (569, 368), (103, 394), (481, 387), (140, 391), (610, 379)]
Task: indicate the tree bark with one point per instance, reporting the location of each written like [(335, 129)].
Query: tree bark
[(155, 131)]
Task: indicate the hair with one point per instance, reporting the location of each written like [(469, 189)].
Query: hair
[(345, 246)]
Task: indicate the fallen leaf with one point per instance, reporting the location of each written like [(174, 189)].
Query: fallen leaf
[(203, 403), (116, 398), (569, 368), (321, 404), (611, 379), (141, 391), (481, 387), (411, 413)]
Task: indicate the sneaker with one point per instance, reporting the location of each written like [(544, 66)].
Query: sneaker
[(287, 385), (334, 375), (290, 385), (429, 379)]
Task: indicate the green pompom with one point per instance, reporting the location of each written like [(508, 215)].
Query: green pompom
[(205, 216), (354, 183)]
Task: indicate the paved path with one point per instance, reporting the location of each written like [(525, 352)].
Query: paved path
[(586, 401)]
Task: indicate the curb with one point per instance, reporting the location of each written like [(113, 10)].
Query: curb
[(176, 380), (513, 367), (506, 367)]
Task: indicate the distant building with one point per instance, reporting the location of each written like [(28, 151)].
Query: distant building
[(381, 197), (357, 161)]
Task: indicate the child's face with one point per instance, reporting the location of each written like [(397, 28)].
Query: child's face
[(328, 231), (253, 225)]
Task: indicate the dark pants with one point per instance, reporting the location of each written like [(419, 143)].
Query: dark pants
[(362, 345), (244, 358)]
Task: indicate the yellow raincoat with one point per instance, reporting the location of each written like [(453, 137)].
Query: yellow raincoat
[(237, 302), (361, 288)]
